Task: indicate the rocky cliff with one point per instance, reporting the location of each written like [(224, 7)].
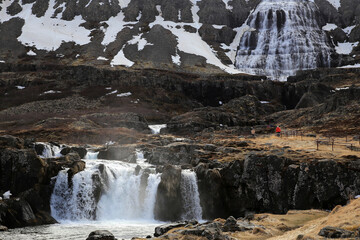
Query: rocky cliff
[(28, 178)]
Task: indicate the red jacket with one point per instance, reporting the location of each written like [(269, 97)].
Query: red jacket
[(278, 130)]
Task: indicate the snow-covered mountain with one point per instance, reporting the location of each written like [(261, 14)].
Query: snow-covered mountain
[(276, 37)]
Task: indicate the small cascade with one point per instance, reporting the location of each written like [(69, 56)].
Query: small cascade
[(91, 155), (76, 203), (190, 195), (285, 36), (50, 151), (155, 129)]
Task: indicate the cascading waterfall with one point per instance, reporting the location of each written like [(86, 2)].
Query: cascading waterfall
[(50, 151), (109, 190), (285, 36), (190, 195)]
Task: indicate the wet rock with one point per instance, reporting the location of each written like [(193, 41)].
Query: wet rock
[(101, 235), (160, 230), (175, 153), (122, 153), (79, 150), (20, 170), (3, 228), (333, 232), (169, 194), (231, 225)]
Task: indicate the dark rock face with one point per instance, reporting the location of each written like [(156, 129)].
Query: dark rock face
[(79, 150), (128, 120), (268, 183), (101, 235), (14, 8), (122, 153), (333, 232), (169, 194), (28, 178), (174, 153)]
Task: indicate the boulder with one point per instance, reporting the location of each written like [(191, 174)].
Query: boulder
[(101, 235), (11, 142), (177, 153), (334, 232), (168, 206), (162, 229), (122, 153), (231, 225)]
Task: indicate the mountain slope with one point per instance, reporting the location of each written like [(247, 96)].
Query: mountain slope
[(194, 35)]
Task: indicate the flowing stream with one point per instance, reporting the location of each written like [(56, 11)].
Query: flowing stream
[(284, 37)]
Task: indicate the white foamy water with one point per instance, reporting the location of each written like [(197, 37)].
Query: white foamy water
[(105, 190), (191, 197), (81, 230), (155, 129), (50, 151), (284, 37)]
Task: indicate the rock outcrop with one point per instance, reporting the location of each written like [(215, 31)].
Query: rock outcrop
[(28, 178), (270, 183)]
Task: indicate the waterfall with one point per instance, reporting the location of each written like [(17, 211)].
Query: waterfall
[(109, 190), (50, 151), (190, 195), (105, 190), (284, 37)]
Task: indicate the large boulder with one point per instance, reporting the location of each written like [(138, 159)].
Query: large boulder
[(333, 232), (124, 153), (168, 205), (101, 235), (20, 170), (11, 142), (175, 153)]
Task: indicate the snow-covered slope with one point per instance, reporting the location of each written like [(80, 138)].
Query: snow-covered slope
[(180, 34)]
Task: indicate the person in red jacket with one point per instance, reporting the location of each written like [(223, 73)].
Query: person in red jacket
[(278, 131)]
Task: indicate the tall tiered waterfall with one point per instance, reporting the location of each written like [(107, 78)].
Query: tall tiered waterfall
[(109, 190), (284, 37)]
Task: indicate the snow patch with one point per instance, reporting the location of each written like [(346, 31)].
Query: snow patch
[(345, 48), (50, 92), (141, 42), (110, 93), (228, 7), (176, 59), (329, 27), (7, 195), (335, 3), (120, 59), (46, 32), (102, 58), (127, 94), (236, 42), (31, 53), (349, 29), (351, 66)]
